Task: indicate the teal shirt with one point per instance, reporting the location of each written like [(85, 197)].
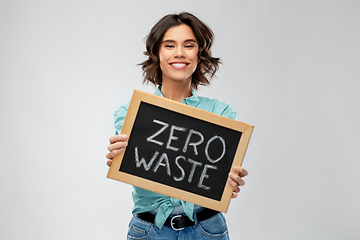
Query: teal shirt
[(144, 200)]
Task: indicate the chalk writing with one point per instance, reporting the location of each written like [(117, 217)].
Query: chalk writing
[(163, 160)]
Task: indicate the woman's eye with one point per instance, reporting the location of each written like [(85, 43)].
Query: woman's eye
[(189, 46), (169, 46)]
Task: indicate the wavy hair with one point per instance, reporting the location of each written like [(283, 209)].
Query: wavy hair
[(207, 65)]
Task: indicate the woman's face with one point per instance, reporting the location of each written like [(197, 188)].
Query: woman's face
[(178, 54)]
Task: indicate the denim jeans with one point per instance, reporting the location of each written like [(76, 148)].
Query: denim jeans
[(211, 228)]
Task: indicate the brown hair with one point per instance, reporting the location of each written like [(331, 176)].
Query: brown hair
[(207, 65)]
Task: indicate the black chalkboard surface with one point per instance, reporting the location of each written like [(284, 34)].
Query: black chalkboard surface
[(180, 151)]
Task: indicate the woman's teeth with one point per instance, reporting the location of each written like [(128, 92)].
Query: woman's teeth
[(179, 64)]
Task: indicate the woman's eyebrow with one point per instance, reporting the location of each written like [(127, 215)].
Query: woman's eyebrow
[(191, 40), (173, 41), (168, 41)]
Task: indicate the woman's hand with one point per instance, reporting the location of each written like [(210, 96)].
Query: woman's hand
[(235, 179), (117, 146)]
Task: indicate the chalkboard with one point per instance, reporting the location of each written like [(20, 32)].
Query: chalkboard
[(180, 151)]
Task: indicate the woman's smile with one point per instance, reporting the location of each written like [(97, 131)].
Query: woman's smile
[(179, 65)]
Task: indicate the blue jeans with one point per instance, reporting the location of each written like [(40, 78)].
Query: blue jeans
[(211, 228)]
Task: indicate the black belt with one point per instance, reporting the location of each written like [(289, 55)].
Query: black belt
[(178, 222)]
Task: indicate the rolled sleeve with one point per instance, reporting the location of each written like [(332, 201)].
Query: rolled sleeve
[(119, 118)]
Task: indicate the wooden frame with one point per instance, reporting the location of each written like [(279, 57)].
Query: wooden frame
[(142, 97)]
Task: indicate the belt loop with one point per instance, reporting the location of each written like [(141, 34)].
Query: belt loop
[(196, 216)]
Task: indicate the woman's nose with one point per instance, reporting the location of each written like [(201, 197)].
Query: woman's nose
[(179, 52)]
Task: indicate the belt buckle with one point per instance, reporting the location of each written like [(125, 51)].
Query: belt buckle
[(172, 223)]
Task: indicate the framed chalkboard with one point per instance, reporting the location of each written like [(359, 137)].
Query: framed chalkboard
[(180, 151)]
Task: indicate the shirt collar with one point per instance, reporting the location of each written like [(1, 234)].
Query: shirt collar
[(194, 100)]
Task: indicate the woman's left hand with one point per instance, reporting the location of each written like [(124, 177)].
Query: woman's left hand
[(235, 179)]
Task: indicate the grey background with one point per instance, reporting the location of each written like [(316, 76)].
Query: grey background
[(291, 68)]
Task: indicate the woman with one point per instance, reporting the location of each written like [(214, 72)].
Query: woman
[(179, 60)]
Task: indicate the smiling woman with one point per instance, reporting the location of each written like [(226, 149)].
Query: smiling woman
[(179, 59)]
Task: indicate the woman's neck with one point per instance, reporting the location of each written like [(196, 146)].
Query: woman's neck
[(176, 91)]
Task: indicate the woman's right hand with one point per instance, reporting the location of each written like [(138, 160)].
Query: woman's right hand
[(117, 146)]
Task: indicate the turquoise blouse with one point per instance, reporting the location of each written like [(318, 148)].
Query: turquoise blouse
[(144, 200)]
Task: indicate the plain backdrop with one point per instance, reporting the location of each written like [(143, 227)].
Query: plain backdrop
[(290, 68)]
